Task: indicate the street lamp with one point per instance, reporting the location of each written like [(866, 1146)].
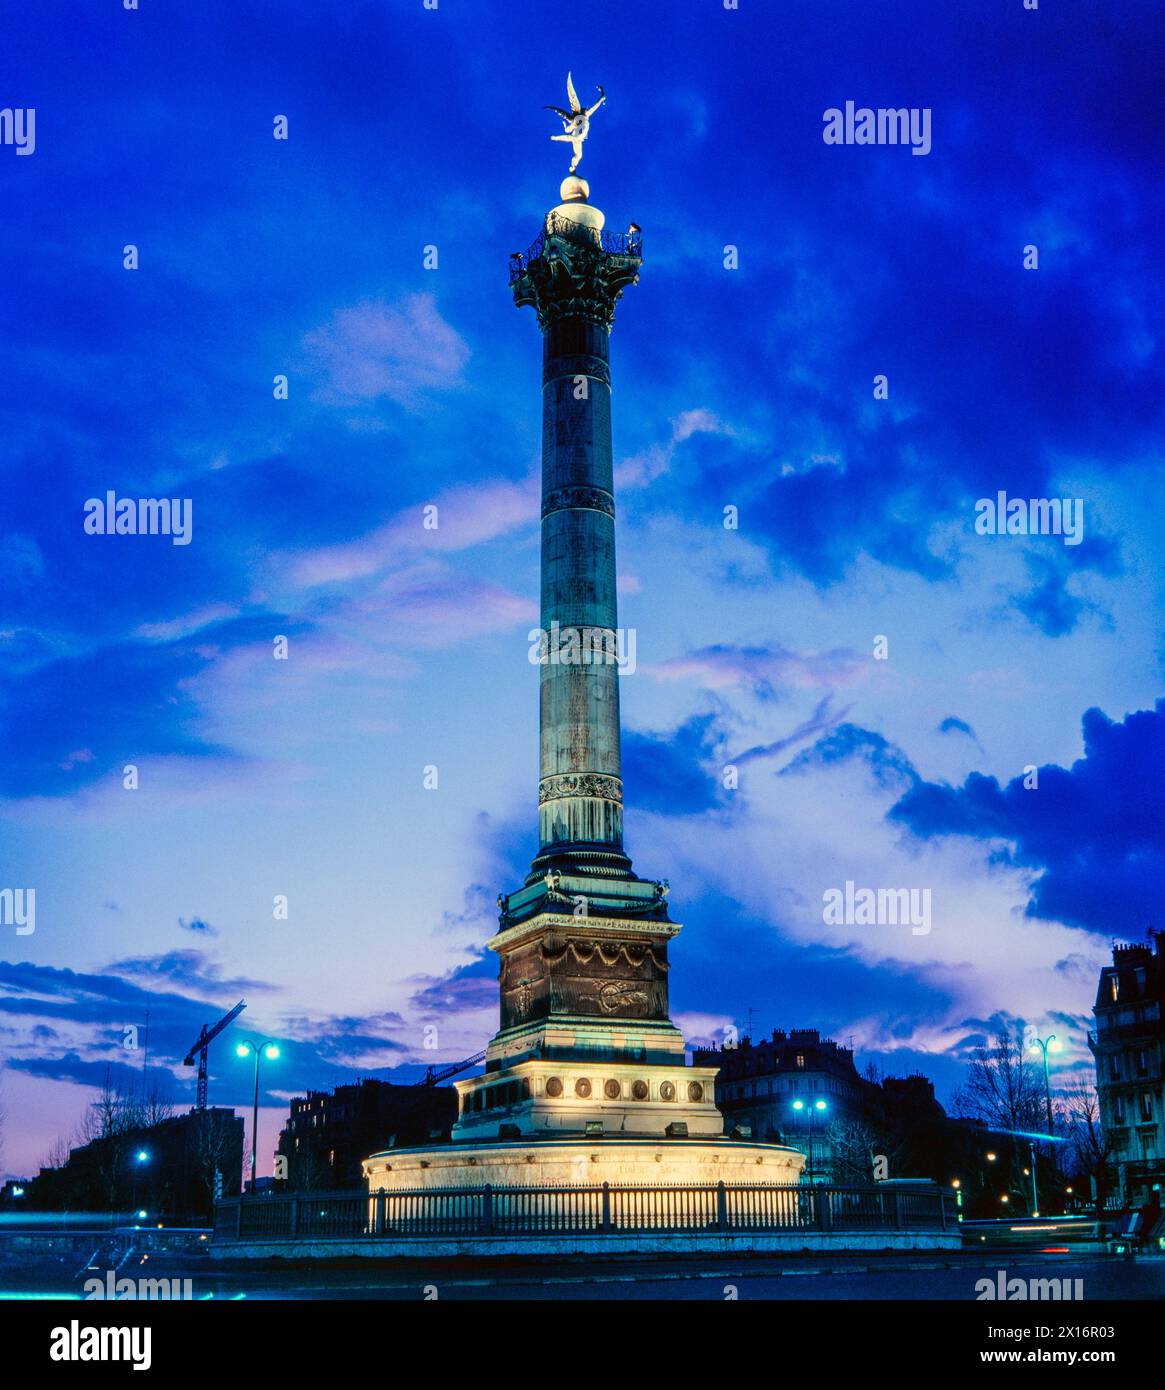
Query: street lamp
[(139, 1159), (1046, 1045), (269, 1050), (816, 1105)]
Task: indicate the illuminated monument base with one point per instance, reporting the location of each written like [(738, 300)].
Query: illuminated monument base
[(577, 1163), (575, 1095)]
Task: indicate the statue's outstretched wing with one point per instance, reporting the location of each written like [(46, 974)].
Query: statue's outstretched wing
[(566, 115), (575, 104)]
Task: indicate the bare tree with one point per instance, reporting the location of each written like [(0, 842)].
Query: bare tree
[(1002, 1088), (146, 1110), (108, 1125), (213, 1151), (58, 1154), (1090, 1146), (853, 1147), (307, 1172)]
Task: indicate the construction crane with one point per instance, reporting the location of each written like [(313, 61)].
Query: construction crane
[(434, 1075), (201, 1043)]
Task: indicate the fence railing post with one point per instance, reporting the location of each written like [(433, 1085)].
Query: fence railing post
[(821, 1207), (721, 1207), (239, 1218), (293, 1219), (942, 1209), (487, 1210), (897, 1210), (606, 1208)]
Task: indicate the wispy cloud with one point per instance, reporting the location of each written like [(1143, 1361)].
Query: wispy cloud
[(641, 469), (403, 351)]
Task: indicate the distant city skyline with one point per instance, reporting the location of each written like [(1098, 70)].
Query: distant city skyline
[(839, 679)]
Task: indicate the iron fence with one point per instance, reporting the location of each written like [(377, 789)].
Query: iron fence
[(628, 243), (599, 1210)]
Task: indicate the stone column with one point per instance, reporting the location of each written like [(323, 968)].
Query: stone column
[(573, 278), (580, 790)]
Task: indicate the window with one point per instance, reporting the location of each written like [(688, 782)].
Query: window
[(1142, 1063), (1114, 1067), (800, 1060), (1118, 1110), (1146, 1108), (1115, 983)]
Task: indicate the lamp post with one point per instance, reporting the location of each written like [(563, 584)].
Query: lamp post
[(269, 1050), (140, 1158), (815, 1105), (1046, 1045), (1035, 1190)]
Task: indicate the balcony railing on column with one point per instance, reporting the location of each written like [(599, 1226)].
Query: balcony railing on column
[(628, 243)]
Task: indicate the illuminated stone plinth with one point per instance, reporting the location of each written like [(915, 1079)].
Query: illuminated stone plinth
[(575, 1163)]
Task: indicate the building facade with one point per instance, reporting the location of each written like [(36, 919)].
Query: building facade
[(328, 1133), (794, 1088), (1128, 1045), (175, 1168)]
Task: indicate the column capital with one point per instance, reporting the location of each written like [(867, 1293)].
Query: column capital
[(573, 271)]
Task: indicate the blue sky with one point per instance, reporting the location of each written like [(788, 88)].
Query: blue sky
[(750, 387)]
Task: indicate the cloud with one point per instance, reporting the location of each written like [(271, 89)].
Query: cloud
[(188, 624), (1092, 831), (186, 969), (764, 670), (641, 469), (432, 606), (404, 351), (953, 725), (666, 773), (76, 719), (198, 926), (889, 764), (821, 718), (466, 515)]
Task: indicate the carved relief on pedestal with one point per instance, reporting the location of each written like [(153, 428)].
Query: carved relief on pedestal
[(607, 979), (576, 975)]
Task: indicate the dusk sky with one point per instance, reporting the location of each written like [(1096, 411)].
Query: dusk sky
[(749, 387)]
